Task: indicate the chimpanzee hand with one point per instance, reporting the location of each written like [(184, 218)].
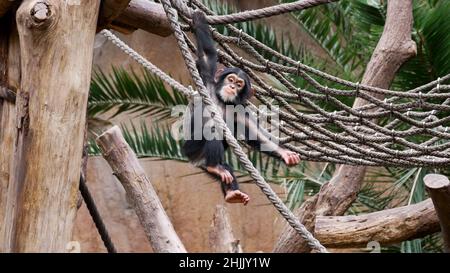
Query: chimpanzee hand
[(289, 157), (198, 18)]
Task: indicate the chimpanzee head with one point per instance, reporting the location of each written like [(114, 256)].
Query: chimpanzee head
[(233, 86)]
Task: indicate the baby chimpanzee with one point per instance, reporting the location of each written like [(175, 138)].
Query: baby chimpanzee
[(229, 87)]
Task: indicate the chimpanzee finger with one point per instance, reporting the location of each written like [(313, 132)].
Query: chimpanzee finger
[(295, 158), (223, 178)]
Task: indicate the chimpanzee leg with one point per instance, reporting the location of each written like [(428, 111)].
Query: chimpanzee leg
[(233, 185)]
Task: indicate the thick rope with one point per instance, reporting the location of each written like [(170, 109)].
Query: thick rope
[(98, 221), (232, 142), (350, 144), (254, 14), (145, 63)]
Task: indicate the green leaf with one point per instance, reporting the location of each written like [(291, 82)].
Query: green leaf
[(127, 92)]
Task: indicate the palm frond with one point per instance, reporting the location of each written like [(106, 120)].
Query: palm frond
[(156, 142), (123, 91)]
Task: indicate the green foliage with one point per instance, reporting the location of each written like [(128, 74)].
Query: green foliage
[(122, 91)]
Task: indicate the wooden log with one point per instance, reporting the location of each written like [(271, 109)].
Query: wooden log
[(394, 48), (145, 15), (385, 227), (221, 238), (438, 186), (9, 78), (110, 10), (140, 191), (56, 49), (5, 5)]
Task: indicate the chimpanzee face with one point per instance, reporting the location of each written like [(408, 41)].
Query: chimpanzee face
[(233, 86)]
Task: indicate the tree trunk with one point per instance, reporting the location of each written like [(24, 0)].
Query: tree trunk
[(438, 187), (149, 209), (9, 79), (385, 227), (56, 47), (145, 15), (393, 49), (221, 238)]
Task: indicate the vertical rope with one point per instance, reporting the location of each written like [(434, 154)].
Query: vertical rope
[(93, 211)]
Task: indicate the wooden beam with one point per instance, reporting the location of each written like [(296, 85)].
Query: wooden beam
[(5, 5), (221, 238), (56, 50), (394, 48), (145, 15), (110, 10), (385, 227), (149, 209), (438, 187), (9, 77)]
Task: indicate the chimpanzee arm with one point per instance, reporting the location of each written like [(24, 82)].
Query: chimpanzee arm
[(206, 51), (258, 137)]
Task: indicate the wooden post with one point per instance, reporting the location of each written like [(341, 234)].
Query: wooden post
[(56, 48), (438, 187), (126, 16), (393, 49), (385, 227), (126, 167), (221, 238), (145, 15), (9, 78)]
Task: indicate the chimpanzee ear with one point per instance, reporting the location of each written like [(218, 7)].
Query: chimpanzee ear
[(219, 72), (252, 92)]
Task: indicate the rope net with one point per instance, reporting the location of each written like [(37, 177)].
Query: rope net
[(406, 128)]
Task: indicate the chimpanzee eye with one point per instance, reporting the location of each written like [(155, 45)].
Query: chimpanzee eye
[(231, 79)]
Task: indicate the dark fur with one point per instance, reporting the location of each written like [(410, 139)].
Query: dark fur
[(212, 151)]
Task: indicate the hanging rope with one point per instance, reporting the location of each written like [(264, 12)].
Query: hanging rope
[(98, 221)]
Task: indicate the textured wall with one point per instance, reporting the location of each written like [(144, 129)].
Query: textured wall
[(189, 198)]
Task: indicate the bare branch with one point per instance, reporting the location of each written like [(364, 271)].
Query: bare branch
[(385, 227)]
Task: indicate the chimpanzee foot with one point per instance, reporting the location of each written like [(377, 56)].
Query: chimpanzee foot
[(237, 196), (224, 174)]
